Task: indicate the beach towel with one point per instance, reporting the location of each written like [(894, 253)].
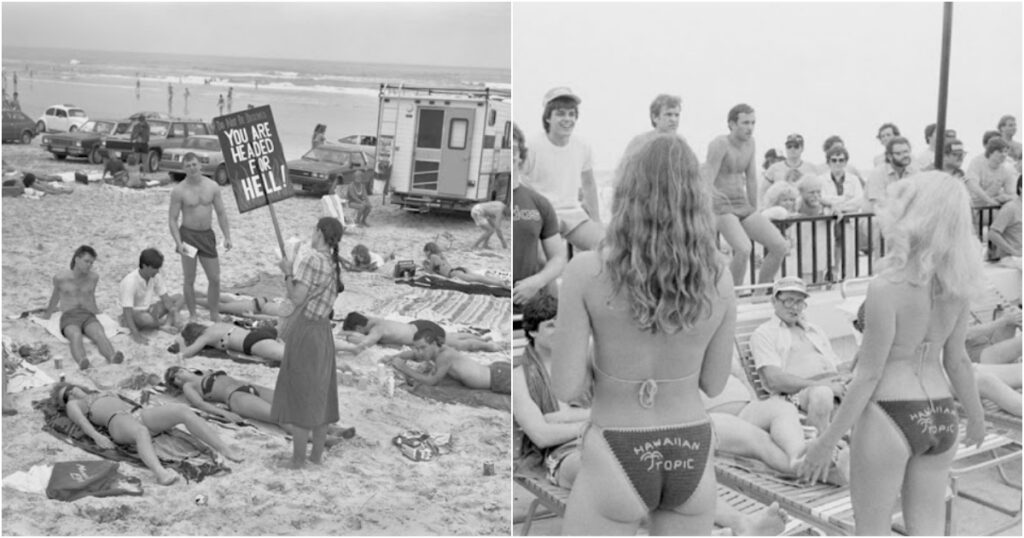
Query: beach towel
[(110, 326), (22, 376), (452, 392), (438, 282), (333, 205), (72, 480), (448, 307), (33, 480), (178, 450)]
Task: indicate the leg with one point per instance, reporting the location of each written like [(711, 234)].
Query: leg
[(269, 349), (478, 278), (74, 336), (316, 454), (991, 387), (211, 266), (94, 330), (172, 306), (586, 236), (496, 224), (126, 430), (165, 417), (252, 406), (762, 231), (1003, 352), (188, 271), (364, 213), (731, 229), (819, 402), (878, 461), (300, 437), (737, 436), (696, 516), (145, 320), (782, 421), (768, 522), (924, 492), (471, 343), (569, 470), (601, 501)]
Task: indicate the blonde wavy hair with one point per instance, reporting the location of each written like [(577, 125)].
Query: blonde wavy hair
[(929, 236), (660, 243)]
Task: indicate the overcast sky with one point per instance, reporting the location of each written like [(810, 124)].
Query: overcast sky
[(462, 34), (813, 68)]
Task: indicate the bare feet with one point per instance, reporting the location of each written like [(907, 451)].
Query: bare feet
[(84, 365), (118, 358), (769, 522), (233, 454), (166, 478)]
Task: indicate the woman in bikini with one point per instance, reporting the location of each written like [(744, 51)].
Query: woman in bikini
[(658, 301), (899, 403), (437, 264), (200, 388), (133, 425), (259, 342)]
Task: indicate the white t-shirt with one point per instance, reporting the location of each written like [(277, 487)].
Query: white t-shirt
[(554, 171), (137, 293)]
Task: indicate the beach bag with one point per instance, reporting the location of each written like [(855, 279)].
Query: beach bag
[(415, 445), (405, 269), (72, 480), (333, 205)]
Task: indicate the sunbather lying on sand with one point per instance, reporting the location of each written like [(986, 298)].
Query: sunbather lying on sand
[(248, 306), (429, 342), (244, 400), (437, 264), (259, 342), (370, 331), (364, 261), (133, 425)]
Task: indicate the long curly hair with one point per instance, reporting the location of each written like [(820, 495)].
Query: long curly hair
[(929, 237), (660, 243)]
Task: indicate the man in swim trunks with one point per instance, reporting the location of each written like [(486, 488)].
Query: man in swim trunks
[(732, 169), (370, 331), (429, 343), (145, 303), (790, 169), (74, 291), (560, 167), (795, 357), (194, 200)]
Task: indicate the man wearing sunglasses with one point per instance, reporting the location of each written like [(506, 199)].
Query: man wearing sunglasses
[(795, 357), (841, 191), (791, 169)]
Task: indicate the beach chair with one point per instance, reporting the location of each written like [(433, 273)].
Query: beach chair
[(519, 341)]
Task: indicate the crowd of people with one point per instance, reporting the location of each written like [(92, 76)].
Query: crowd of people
[(630, 344)]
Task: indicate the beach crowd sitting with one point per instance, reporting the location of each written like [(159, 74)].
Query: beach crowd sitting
[(631, 342)]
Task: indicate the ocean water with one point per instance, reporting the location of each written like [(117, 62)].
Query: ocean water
[(302, 93)]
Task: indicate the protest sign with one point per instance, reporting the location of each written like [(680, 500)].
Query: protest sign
[(254, 158)]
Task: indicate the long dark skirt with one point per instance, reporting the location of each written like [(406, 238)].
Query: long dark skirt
[(306, 393)]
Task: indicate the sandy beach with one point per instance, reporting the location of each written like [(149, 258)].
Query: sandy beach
[(366, 485)]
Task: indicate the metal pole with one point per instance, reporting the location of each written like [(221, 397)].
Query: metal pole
[(940, 123)]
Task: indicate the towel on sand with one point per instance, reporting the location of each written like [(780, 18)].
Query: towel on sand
[(110, 326), (177, 449), (24, 376), (437, 282), (450, 391)]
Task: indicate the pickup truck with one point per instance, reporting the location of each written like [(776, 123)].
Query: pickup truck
[(162, 134)]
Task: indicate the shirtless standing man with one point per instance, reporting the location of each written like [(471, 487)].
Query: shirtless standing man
[(399, 333), (731, 167), (195, 199), (429, 342), (75, 292)]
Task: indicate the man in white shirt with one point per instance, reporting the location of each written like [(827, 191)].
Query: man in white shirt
[(790, 169), (144, 301), (560, 167), (795, 357), (990, 180)]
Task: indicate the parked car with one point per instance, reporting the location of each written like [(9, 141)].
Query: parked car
[(163, 134), (211, 158), (85, 142), (18, 126), (368, 142), (328, 165), (59, 118)]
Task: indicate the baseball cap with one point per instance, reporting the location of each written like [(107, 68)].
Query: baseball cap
[(790, 283), (795, 138), (560, 91)]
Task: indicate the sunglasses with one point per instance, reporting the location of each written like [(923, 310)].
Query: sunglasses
[(838, 160), (793, 303)]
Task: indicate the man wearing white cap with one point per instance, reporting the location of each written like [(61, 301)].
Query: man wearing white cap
[(795, 357), (560, 167)]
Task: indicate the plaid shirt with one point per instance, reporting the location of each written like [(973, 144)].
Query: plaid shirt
[(317, 271)]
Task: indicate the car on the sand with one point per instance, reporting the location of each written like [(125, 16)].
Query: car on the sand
[(59, 118), (17, 126), (207, 149), (324, 167), (84, 142), (368, 142), (163, 135)]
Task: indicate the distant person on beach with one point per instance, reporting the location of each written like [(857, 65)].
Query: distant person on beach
[(306, 392), (231, 97), (145, 303), (14, 80), (220, 104), (15, 103), (170, 99), (363, 260), (732, 170), (437, 264), (187, 94), (194, 200), (368, 331), (560, 167), (886, 132), (791, 168), (430, 343), (359, 198), (664, 112), (1007, 128), (117, 171), (489, 216), (319, 135), (534, 230), (74, 291), (140, 136), (138, 88)]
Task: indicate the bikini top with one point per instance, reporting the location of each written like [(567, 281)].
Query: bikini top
[(91, 400), (648, 387), (208, 380), (223, 342)]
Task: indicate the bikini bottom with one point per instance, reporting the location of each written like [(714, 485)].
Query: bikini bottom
[(929, 427), (244, 388)]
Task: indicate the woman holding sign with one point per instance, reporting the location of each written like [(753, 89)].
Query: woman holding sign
[(306, 394)]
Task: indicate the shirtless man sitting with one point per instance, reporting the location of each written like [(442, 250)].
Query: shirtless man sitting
[(144, 300), (75, 293), (429, 344), (369, 331)]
